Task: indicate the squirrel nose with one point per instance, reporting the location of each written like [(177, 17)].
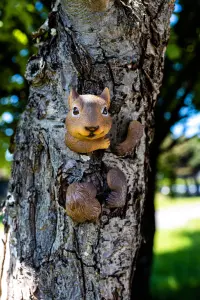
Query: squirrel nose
[(92, 129)]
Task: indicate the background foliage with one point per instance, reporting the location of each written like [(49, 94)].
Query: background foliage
[(18, 19), (177, 116)]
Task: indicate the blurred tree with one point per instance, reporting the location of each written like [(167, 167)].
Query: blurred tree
[(180, 93), (179, 99), (17, 21), (182, 161)]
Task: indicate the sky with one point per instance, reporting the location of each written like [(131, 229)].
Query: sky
[(187, 127)]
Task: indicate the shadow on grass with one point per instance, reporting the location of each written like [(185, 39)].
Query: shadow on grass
[(176, 273)]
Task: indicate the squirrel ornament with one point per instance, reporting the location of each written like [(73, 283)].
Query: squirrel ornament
[(87, 123)]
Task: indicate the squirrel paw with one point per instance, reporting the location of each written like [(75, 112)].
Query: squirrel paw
[(117, 183), (123, 149), (81, 204), (105, 144), (135, 132), (115, 200)]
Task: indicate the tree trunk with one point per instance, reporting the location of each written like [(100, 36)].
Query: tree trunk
[(196, 182), (187, 192), (89, 46), (145, 255)]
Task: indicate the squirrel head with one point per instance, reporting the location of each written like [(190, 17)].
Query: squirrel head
[(88, 117)]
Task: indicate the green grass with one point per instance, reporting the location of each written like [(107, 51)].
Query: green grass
[(176, 268), (1, 225), (162, 201), (166, 181)]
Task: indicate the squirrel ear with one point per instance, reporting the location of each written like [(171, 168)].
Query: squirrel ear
[(72, 96), (106, 96)]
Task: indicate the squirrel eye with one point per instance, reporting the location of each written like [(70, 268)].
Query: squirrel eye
[(75, 111), (105, 111)]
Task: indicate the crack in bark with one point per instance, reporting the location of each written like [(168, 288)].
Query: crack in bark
[(51, 247), (79, 258), (160, 9), (150, 81), (3, 260), (146, 5), (110, 70), (82, 267), (83, 58), (32, 212), (128, 8)]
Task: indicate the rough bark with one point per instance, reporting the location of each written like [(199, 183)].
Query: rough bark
[(47, 256)]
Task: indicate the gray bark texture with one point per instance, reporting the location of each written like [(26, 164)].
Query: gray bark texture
[(46, 255)]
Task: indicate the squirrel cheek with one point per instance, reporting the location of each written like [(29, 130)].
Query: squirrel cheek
[(108, 124), (71, 127)]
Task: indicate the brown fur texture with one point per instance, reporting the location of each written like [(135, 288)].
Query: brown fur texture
[(117, 183), (135, 132), (81, 204), (89, 114)]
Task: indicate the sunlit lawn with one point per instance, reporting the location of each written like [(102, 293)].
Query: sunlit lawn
[(162, 201), (176, 269), (1, 225)]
